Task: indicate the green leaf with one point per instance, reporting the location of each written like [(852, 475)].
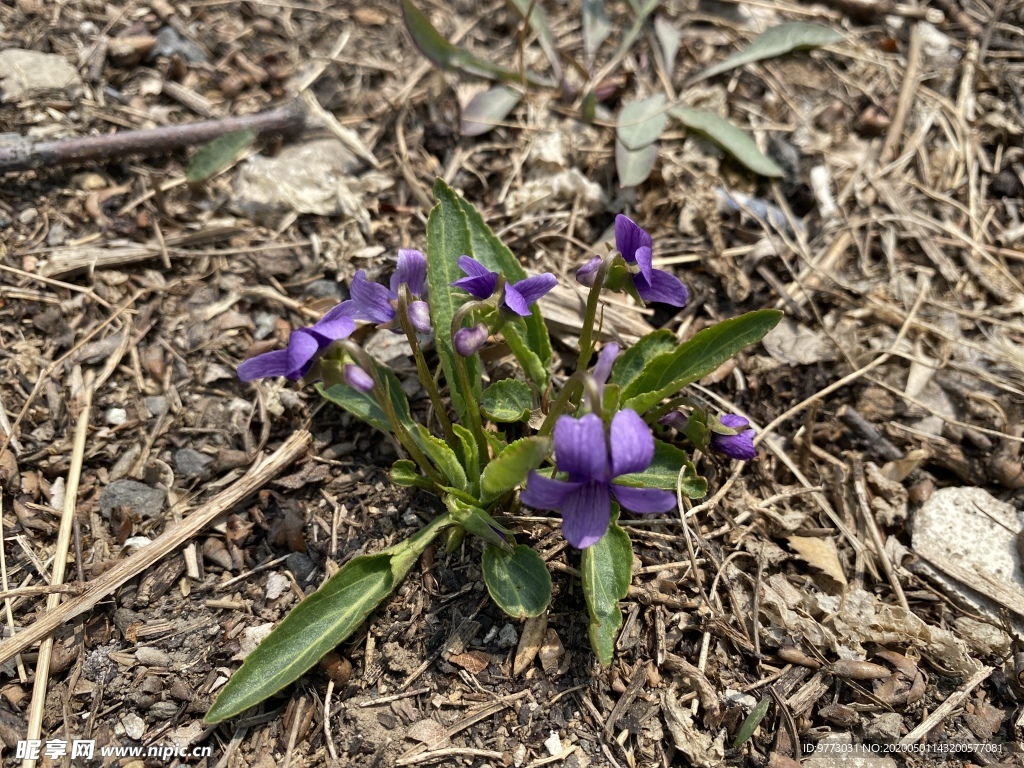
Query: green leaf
[(469, 456), (448, 239), (634, 166), (663, 471), (775, 42), (506, 401), (727, 136), (487, 109), (495, 255), (596, 26), (220, 154), (451, 58), (668, 373), (606, 569), (641, 122), (517, 334), (668, 39), (363, 405), (443, 457), (405, 473), (518, 581), (511, 467), (539, 23), (319, 623), (631, 362), (750, 724)]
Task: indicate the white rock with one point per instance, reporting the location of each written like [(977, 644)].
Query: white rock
[(116, 417), (134, 726), (277, 585), (32, 74), (553, 744)]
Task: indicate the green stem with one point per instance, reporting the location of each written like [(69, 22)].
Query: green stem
[(422, 371), (587, 332), (383, 395), (472, 410), (560, 403), (655, 414)]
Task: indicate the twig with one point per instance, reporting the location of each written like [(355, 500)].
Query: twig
[(26, 155), (945, 708), (164, 544), (60, 558), (860, 489)]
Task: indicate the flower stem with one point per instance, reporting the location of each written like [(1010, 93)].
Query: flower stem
[(422, 371), (472, 408), (383, 395), (587, 332), (574, 381)]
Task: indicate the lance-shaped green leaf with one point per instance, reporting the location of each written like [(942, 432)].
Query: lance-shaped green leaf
[(443, 457), (668, 373), (606, 570), (507, 401), (479, 523), (773, 42), (495, 255), (596, 27), (364, 406), (447, 240), (469, 456), (538, 21), (668, 39), (319, 623), (751, 722), (727, 136), (511, 467), (631, 362), (487, 109), (451, 58), (518, 581), (220, 154)]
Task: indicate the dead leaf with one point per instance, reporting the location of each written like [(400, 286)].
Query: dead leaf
[(820, 553), (473, 662), (529, 643), (551, 652), (700, 749)]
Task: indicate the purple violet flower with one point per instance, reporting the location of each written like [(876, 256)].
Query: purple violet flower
[(587, 274), (635, 245), (739, 446), (480, 282), (469, 340), (593, 461), (357, 378), (305, 345), (603, 367), (376, 303)]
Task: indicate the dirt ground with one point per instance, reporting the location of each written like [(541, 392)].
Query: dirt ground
[(127, 298)]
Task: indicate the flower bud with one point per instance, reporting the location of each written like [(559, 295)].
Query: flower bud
[(587, 274), (468, 340), (357, 378)]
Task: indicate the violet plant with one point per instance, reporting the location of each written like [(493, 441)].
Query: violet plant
[(589, 451)]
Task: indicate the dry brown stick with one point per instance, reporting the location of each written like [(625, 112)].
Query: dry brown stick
[(907, 94), (860, 489), (60, 559), (26, 155), (163, 545), (945, 708)]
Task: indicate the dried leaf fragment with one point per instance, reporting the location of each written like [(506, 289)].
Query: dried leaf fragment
[(529, 643), (821, 554)]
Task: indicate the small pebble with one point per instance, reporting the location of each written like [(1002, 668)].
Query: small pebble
[(192, 463), (134, 726), (28, 216), (116, 417), (140, 499), (508, 636), (157, 405), (153, 657), (553, 744)]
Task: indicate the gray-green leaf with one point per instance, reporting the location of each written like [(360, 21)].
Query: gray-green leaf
[(518, 581), (773, 42), (596, 27), (319, 623), (487, 109), (668, 373), (512, 466), (221, 153), (538, 21), (634, 165), (727, 136), (641, 122), (606, 570), (750, 724), (507, 401)]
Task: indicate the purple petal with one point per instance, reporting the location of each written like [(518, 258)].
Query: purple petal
[(733, 421), (515, 301), (664, 287), (676, 420), (545, 493), (643, 260), (580, 447), (411, 270), (357, 378), (632, 443), (603, 367), (629, 236), (585, 514), (302, 349), (336, 324), (532, 288), (468, 340), (419, 316), (474, 268), (373, 301), (264, 366), (479, 286), (739, 446), (587, 274), (644, 501)]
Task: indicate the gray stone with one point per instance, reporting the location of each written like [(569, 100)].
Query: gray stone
[(157, 405), (508, 636), (192, 463), (138, 498), (33, 74), (169, 42), (153, 657), (300, 565), (883, 729)]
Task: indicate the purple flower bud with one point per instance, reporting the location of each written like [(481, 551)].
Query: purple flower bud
[(587, 274), (739, 446), (357, 378), (468, 340)]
